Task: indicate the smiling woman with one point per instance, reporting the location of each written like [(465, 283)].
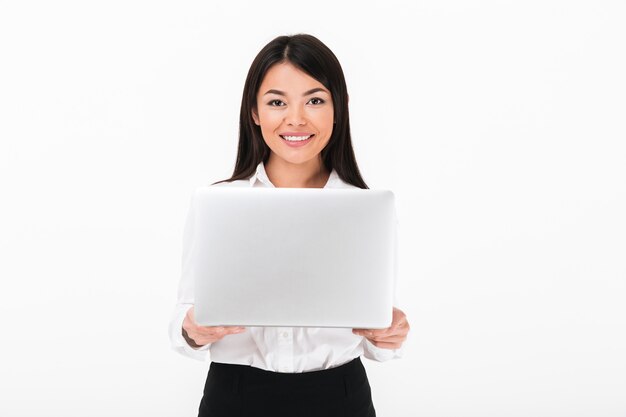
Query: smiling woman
[(294, 131), (296, 87)]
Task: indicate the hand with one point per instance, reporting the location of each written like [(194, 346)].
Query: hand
[(391, 337), (202, 335)]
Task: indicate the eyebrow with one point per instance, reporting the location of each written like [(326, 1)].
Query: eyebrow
[(306, 93)]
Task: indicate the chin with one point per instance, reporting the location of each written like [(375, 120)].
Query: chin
[(296, 159)]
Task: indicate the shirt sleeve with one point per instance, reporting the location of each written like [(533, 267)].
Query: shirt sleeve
[(375, 353), (396, 299), (185, 297), (370, 351)]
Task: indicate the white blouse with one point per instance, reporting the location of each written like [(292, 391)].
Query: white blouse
[(278, 349)]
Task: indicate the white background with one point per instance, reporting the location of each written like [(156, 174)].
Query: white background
[(499, 126)]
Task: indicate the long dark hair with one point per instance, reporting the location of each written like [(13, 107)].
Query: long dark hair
[(310, 55)]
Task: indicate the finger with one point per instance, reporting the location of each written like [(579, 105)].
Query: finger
[(231, 328), (362, 332), (397, 328), (375, 332), (388, 339), (384, 332), (235, 329), (220, 330), (401, 328), (210, 330), (387, 334)]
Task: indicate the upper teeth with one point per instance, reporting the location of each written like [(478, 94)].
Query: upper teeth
[(296, 137)]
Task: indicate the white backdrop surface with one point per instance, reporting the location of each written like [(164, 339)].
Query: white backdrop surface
[(498, 124)]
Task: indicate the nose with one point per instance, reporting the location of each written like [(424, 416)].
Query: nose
[(295, 116)]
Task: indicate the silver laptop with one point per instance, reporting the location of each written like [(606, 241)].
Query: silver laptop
[(305, 257)]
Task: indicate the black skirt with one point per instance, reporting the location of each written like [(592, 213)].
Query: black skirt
[(245, 391)]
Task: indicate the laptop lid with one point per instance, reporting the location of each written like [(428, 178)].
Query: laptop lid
[(293, 257)]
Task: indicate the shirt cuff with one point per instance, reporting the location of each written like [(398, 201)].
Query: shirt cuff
[(375, 353), (178, 342)]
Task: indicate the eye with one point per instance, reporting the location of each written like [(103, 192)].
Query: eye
[(271, 103), (318, 99)]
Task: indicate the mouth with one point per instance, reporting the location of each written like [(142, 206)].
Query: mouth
[(297, 139)]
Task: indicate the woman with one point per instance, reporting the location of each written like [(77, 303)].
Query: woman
[(294, 132)]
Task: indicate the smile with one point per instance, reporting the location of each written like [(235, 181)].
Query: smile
[(296, 138), (297, 141)]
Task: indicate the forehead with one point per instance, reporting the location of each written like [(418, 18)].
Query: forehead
[(284, 76)]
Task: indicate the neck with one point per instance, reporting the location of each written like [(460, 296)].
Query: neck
[(283, 174)]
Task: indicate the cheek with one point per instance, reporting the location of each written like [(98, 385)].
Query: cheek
[(326, 120), (323, 119), (269, 119), (270, 124)]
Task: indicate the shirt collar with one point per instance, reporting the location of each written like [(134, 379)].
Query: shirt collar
[(261, 176)]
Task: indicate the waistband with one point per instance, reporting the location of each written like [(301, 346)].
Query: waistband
[(355, 366)]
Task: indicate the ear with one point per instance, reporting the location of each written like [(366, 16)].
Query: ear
[(255, 117)]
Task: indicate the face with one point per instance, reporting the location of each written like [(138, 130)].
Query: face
[(291, 106)]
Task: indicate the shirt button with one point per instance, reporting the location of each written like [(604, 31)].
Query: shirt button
[(285, 335)]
